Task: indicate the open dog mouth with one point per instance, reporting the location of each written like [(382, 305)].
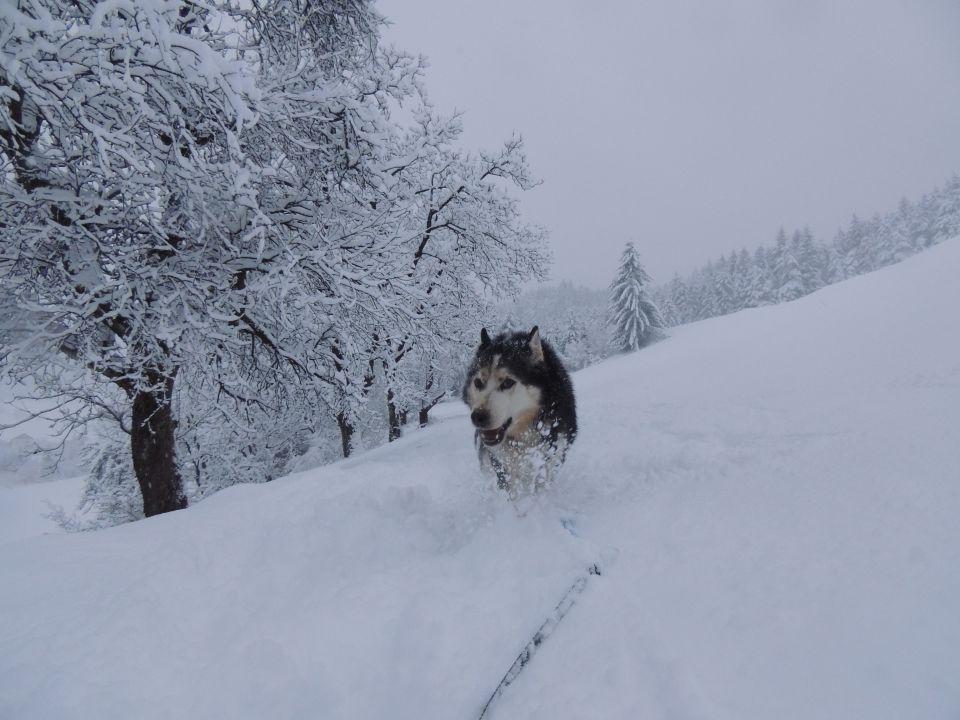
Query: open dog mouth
[(495, 437)]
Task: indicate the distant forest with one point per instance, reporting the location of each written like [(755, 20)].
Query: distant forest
[(798, 264), (575, 319)]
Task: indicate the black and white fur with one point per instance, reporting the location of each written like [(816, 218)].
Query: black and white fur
[(522, 405)]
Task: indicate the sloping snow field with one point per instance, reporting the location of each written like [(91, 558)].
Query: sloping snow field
[(774, 496)]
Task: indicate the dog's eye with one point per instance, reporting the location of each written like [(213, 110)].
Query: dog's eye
[(507, 384), (478, 383)]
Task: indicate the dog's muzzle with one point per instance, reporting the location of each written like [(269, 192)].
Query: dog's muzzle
[(495, 436)]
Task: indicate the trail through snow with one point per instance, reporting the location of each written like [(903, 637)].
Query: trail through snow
[(776, 493)]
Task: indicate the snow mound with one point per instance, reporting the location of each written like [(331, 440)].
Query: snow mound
[(779, 489)]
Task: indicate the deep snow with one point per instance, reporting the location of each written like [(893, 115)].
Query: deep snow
[(774, 495)]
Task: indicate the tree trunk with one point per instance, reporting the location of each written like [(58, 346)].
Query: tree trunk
[(152, 442), (425, 408), (346, 433), (394, 418), (425, 405)]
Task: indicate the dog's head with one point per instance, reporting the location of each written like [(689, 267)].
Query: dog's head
[(504, 401)]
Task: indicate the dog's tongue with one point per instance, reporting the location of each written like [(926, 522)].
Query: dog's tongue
[(492, 437)]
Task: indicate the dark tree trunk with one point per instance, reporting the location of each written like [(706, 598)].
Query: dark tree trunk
[(427, 405), (404, 416), (152, 442), (394, 418), (346, 433)]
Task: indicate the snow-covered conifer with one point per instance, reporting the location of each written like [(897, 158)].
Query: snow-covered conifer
[(634, 318), (787, 277)]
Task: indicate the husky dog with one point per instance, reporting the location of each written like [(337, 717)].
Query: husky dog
[(522, 405)]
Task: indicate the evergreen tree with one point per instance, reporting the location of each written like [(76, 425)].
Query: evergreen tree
[(723, 285), (901, 242), (810, 259), (922, 227), (946, 222), (679, 301), (663, 300), (760, 281), (708, 304), (787, 278), (633, 315), (742, 280), (853, 249)]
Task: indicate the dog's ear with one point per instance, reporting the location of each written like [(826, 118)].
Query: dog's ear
[(536, 347), (484, 338)]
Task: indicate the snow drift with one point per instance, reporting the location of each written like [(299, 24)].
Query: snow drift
[(774, 496)]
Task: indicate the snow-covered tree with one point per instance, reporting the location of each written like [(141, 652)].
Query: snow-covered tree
[(761, 280), (194, 198), (810, 260), (663, 299), (853, 248), (634, 318), (724, 291), (460, 240), (787, 277), (947, 211), (924, 219), (679, 301), (741, 280)]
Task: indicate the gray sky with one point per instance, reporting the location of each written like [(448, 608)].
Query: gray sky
[(693, 128)]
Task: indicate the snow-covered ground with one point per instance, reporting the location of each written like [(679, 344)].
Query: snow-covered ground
[(774, 495), (33, 482)]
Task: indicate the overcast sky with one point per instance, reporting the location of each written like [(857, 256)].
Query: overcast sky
[(694, 128)]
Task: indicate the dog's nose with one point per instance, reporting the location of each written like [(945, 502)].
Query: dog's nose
[(480, 418)]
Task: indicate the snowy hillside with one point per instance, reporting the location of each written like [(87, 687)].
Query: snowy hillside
[(774, 497)]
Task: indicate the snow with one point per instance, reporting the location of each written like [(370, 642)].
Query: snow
[(25, 508), (773, 497), (32, 482)]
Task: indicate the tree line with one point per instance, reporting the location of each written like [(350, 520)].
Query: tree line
[(586, 325), (798, 264)]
